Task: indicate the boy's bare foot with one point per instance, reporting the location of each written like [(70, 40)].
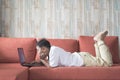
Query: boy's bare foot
[(101, 35)]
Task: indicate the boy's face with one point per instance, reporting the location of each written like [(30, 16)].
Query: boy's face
[(43, 52)]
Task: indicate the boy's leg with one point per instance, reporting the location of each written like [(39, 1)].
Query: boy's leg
[(99, 60), (97, 51), (105, 52), (101, 49)]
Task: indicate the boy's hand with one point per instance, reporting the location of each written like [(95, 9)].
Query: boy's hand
[(45, 63), (42, 56)]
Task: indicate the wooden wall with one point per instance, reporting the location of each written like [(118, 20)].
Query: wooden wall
[(58, 18)]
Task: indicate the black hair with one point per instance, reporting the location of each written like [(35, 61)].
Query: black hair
[(44, 43)]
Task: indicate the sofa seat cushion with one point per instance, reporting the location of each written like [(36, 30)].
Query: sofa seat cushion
[(13, 72), (75, 73), (87, 45), (8, 49), (11, 65)]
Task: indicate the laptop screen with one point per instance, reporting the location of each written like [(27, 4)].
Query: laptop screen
[(21, 55)]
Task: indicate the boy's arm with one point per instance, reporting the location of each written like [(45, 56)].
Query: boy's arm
[(45, 63)]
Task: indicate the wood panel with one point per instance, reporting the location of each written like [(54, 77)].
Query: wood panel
[(58, 18)]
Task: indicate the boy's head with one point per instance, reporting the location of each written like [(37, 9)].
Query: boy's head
[(44, 42), (43, 47)]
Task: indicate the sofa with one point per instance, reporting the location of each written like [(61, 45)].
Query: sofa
[(10, 68)]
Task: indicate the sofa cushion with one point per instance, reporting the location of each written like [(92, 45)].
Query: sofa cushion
[(87, 45), (11, 66), (8, 49), (75, 73), (70, 45), (13, 71)]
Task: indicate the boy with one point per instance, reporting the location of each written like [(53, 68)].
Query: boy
[(52, 56)]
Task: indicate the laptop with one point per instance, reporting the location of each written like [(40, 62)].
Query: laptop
[(22, 59)]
